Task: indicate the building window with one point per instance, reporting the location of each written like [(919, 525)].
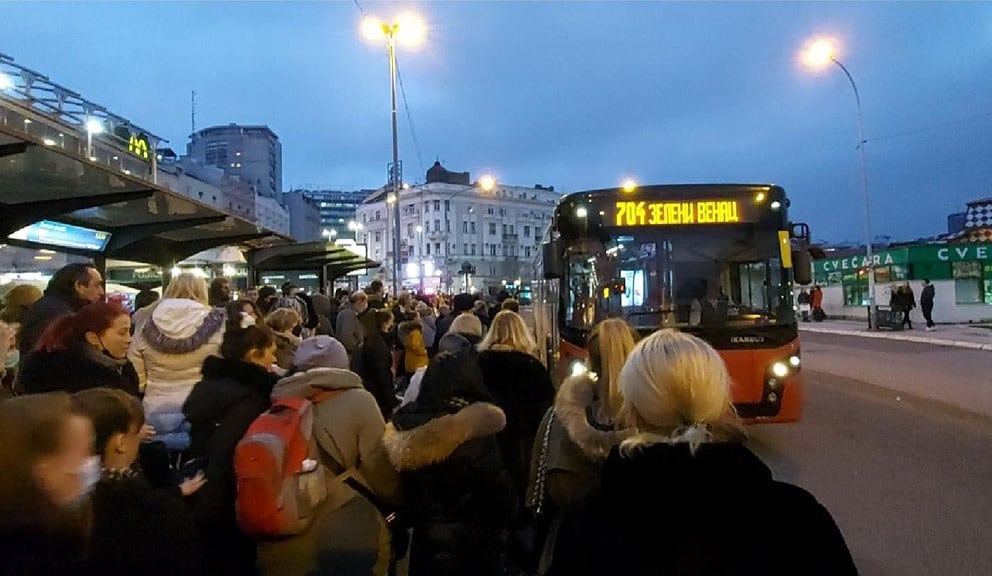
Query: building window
[(473, 249), (447, 205), (377, 216), (437, 225), (378, 236), (465, 246), (526, 231), (437, 248), (504, 251), (409, 230), (512, 229), (447, 225), (465, 227), (489, 210), (437, 205), (427, 206), (504, 229), (428, 248), (492, 250), (527, 251), (492, 228), (472, 226), (972, 282)]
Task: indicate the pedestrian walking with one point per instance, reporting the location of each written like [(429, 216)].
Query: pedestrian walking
[(926, 302), (804, 302)]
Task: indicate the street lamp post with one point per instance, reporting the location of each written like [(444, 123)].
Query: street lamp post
[(420, 256), (409, 29), (390, 202), (355, 227), (820, 53)]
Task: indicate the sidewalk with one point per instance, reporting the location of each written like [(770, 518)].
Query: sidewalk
[(956, 335)]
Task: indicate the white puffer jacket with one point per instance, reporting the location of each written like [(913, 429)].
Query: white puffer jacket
[(168, 351)]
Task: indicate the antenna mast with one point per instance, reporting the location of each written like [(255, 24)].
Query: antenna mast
[(193, 111)]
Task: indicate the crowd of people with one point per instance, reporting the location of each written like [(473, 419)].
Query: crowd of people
[(442, 436)]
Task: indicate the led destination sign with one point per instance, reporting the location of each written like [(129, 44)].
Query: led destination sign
[(63, 235), (679, 213)]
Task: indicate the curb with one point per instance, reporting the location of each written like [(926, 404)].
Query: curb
[(900, 337)]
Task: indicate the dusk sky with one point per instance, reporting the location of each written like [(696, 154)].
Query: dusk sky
[(575, 95)]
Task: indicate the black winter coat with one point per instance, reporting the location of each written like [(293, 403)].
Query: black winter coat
[(720, 512), (459, 496), (140, 530), (375, 368), (220, 409), (40, 315), (72, 371), (31, 550), (523, 389)]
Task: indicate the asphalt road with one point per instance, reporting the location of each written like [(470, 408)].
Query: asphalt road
[(907, 478)]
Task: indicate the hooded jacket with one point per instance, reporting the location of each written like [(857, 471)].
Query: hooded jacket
[(411, 334), (577, 444), (663, 510), (220, 409), (348, 428), (458, 493), (168, 350)]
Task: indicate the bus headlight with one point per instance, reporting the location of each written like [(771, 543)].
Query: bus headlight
[(780, 369), (794, 361), (577, 368)]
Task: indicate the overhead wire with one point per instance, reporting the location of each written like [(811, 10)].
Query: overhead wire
[(409, 119), (929, 128)]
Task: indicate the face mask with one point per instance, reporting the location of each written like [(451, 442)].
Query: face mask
[(89, 475), (13, 359)]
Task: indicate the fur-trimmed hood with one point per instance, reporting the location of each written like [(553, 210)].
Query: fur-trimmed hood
[(574, 408), (435, 441), (180, 326)]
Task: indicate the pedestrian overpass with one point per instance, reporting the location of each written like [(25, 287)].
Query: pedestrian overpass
[(81, 180)]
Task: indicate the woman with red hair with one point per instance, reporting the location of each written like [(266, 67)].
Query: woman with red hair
[(84, 350)]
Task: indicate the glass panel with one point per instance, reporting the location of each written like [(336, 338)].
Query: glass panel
[(727, 276)]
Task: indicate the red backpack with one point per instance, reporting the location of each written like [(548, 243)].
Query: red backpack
[(280, 481)]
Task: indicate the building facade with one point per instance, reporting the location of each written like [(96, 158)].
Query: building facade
[(304, 217), (251, 153), (209, 185), (458, 236), (959, 265), (337, 208)]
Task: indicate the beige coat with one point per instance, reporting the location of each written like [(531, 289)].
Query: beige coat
[(349, 430)]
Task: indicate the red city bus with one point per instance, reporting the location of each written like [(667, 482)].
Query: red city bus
[(715, 260)]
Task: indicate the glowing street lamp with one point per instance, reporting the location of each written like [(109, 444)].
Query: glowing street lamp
[(409, 30), (817, 54), (629, 185), (93, 127), (355, 227), (487, 183)]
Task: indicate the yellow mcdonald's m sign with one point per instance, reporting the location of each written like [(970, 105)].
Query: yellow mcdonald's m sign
[(138, 145)]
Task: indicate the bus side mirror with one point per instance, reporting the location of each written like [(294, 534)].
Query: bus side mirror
[(799, 231), (554, 264), (802, 267)]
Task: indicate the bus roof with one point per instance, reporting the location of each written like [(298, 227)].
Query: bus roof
[(702, 189)]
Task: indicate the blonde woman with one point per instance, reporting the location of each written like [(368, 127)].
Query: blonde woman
[(521, 387), (172, 338), (283, 321), (709, 501)]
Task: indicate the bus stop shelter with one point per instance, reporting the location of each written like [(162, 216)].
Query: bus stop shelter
[(329, 261)]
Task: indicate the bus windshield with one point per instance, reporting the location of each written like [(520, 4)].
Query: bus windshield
[(682, 277)]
